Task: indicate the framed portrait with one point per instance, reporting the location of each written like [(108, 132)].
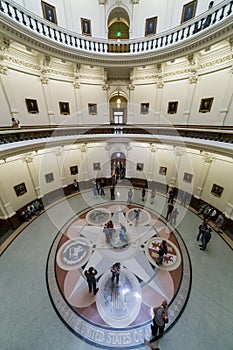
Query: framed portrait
[(188, 11), (86, 26), (96, 166), (32, 105), (145, 108), (139, 166), (64, 108), (172, 107), (206, 104), (49, 178), (49, 12), (188, 177), (74, 170), (162, 170), (20, 189), (150, 27), (217, 190), (92, 108)]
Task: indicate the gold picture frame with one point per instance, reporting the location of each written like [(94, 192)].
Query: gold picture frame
[(49, 12), (20, 189), (189, 11), (145, 108), (74, 170), (64, 108), (32, 105), (86, 26), (49, 178), (150, 27), (206, 104), (140, 166), (162, 170), (92, 108), (217, 190), (172, 107)]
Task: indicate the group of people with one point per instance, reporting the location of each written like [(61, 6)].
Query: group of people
[(30, 210), (91, 279), (109, 230), (98, 188)]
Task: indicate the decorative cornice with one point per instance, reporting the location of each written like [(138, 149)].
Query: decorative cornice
[(3, 69)]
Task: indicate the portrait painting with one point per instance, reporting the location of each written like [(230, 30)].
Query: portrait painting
[(139, 166), (150, 28), (162, 170), (188, 177), (32, 105), (144, 108), (74, 170), (188, 11), (92, 108), (96, 166), (86, 26), (206, 104), (49, 178), (20, 189), (64, 108), (217, 190), (49, 12), (172, 107)]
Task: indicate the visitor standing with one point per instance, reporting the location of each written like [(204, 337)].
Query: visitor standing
[(91, 279), (160, 319)]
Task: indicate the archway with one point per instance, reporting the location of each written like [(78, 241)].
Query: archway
[(118, 166), (118, 28), (118, 109)]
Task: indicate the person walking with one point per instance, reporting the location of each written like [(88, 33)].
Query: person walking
[(183, 198), (112, 192), (173, 216), (130, 195), (171, 196), (162, 252), (143, 194), (115, 269), (170, 208), (122, 233), (152, 196), (91, 280), (205, 238), (201, 230), (160, 319), (137, 215), (219, 222)]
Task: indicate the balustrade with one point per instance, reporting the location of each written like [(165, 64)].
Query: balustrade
[(14, 12)]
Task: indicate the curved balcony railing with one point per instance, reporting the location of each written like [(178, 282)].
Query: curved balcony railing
[(16, 16)]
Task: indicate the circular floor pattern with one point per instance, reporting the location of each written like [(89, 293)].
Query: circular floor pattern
[(119, 316)]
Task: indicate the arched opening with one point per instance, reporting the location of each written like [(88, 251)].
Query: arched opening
[(118, 28), (118, 109), (118, 166)]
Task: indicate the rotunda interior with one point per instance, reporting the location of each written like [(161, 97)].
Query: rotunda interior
[(113, 95)]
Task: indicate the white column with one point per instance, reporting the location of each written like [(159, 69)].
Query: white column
[(48, 100), (5, 203), (8, 92), (227, 96), (205, 169)]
